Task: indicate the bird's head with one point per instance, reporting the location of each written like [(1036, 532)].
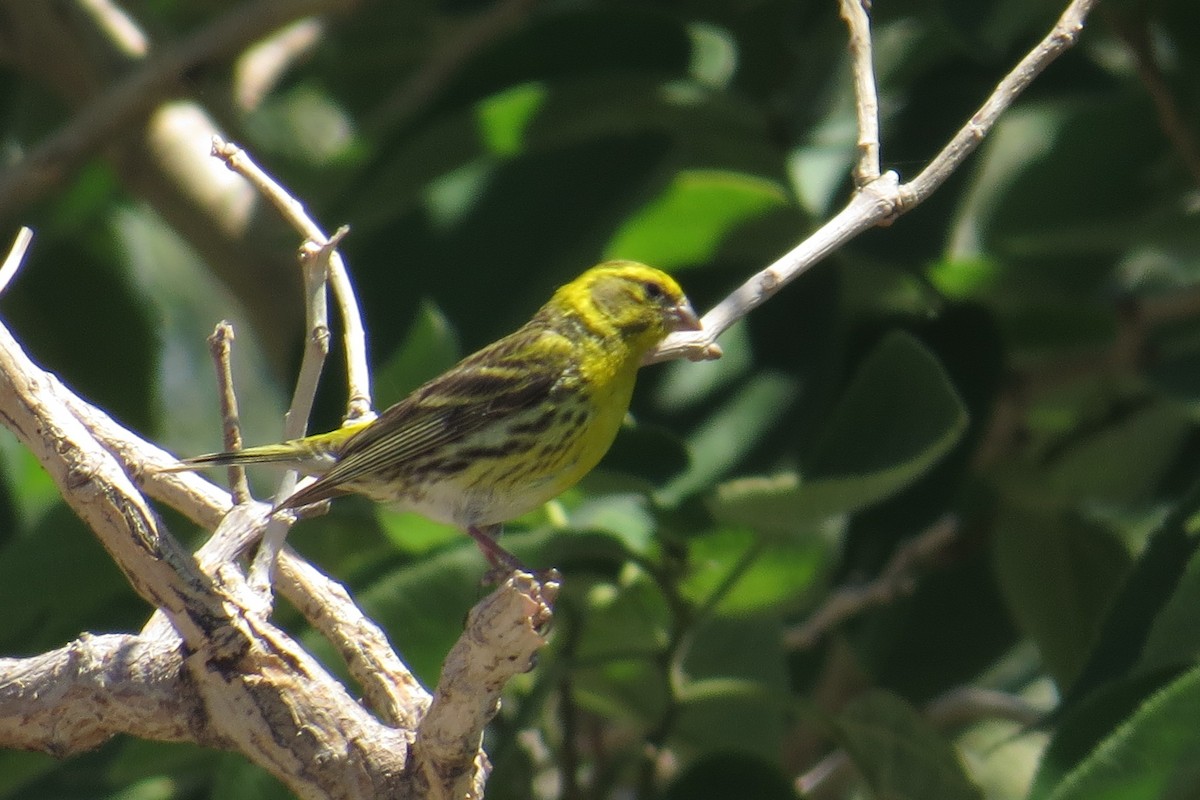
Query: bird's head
[(639, 304)]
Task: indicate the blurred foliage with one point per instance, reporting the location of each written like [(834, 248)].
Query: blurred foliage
[(1019, 354)]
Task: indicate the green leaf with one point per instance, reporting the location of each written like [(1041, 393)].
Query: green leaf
[(161, 787), (1174, 638), (429, 348), (424, 605), (623, 516), (412, 533), (238, 779), (616, 646), (899, 415), (504, 117), (1146, 591), (1058, 574), (964, 277), (730, 432), (30, 487), (735, 694), (1124, 461), (773, 504), (188, 301), (899, 755), (57, 581), (641, 458), (74, 292), (763, 574), (18, 770), (688, 384), (627, 617), (1086, 723), (1033, 195), (139, 760), (686, 223), (1155, 755), (580, 41), (629, 689)]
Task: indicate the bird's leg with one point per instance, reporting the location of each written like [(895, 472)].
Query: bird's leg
[(502, 561)]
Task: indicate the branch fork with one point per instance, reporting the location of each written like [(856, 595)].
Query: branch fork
[(210, 666)]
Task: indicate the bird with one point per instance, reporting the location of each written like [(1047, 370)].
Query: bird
[(509, 427)]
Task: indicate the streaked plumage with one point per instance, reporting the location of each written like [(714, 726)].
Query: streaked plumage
[(509, 427)]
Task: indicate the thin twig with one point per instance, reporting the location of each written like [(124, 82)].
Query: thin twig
[(964, 705), (1061, 38), (867, 208), (322, 266), (854, 12), (1136, 35), (897, 579), (358, 376), (878, 202), (315, 260), (15, 257), (219, 344)]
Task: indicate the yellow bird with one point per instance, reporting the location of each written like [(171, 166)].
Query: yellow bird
[(507, 428)]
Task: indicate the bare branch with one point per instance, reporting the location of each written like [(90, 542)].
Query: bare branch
[(264, 63), (245, 684), (965, 705), (358, 403), (194, 496), (854, 12), (255, 685), (878, 202), (96, 487), (503, 633), (261, 693), (15, 257), (897, 579), (1060, 39), (322, 264), (1134, 29), (866, 209), (219, 344), (77, 697), (389, 686)]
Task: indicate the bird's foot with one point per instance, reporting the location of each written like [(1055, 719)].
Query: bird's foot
[(504, 563)]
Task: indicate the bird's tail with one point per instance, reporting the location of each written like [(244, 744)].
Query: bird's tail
[(312, 454)]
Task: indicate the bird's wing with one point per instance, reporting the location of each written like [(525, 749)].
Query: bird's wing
[(512, 374)]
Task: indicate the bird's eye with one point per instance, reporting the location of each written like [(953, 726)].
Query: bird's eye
[(653, 290)]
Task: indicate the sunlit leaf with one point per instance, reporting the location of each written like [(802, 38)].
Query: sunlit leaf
[(685, 224), (1154, 755)]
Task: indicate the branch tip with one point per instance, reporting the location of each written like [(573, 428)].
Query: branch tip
[(15, 257)]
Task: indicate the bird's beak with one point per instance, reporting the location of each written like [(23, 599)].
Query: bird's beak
[(684, 318)]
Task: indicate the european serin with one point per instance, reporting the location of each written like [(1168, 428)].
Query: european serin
[(508, 428)]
